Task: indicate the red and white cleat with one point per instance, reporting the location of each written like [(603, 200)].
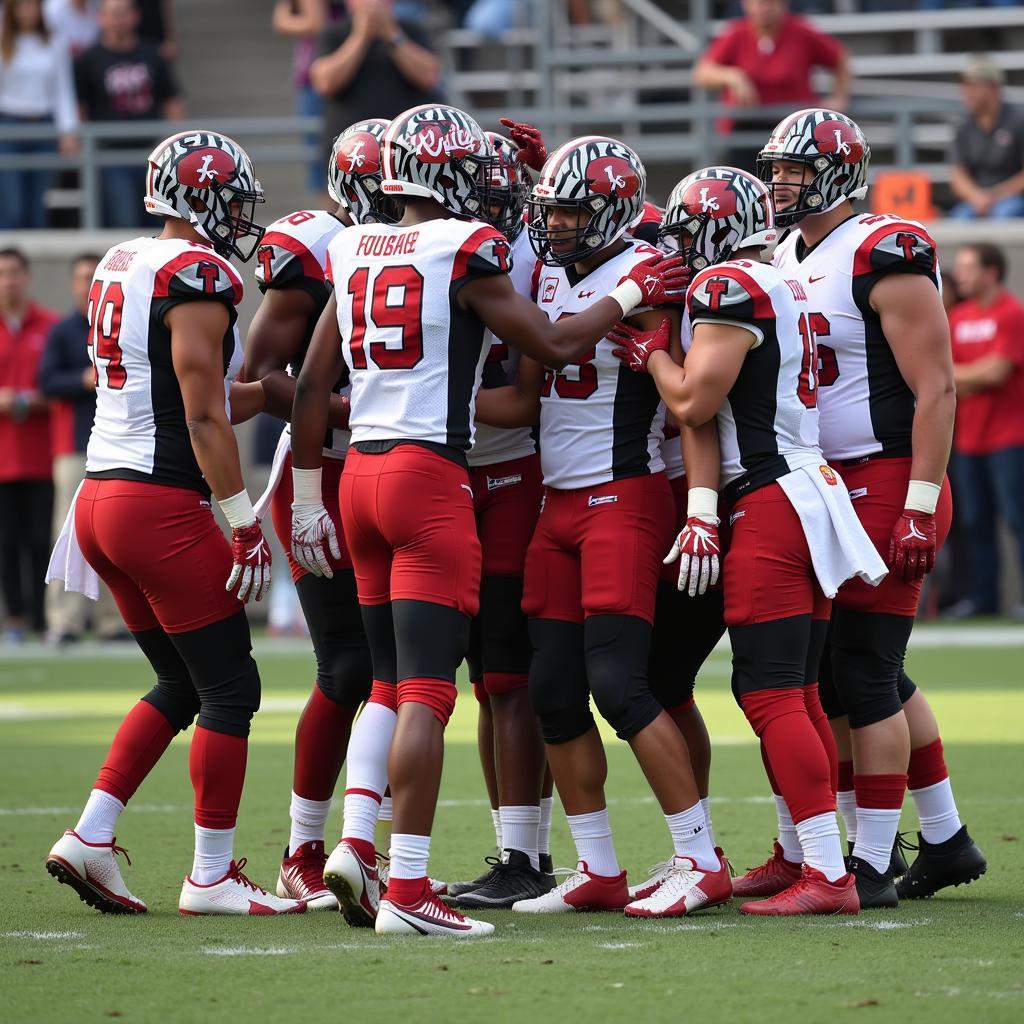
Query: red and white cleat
[(655, 876), (579, 891), (233, 894), (91, 870), (384, 869), (685, 889), (428, 916), (302, 877), (812, 894), (768, 879), (356, 885)]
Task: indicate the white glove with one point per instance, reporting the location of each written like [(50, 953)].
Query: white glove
[(313, 530), (697, 547)]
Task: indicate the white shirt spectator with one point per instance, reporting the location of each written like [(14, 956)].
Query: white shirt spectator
[(38, 82), (76, 23)]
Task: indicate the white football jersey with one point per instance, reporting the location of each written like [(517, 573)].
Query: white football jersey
[(293, 254), (865, 405), (139, 432), (768, 423), (672, 450), (498, 444), (415, 356), (599, 421)]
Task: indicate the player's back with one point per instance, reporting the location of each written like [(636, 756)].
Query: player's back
[(414, 354), (139, 432), (768, 424)]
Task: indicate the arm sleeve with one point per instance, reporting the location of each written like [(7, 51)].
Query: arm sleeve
[(727, 295), (195, 277), (65, 105)]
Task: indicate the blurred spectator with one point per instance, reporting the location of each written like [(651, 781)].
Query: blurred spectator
[(372, 65), (988, 150), (157, 26), (36, 87), (764, 59), (26, 484), (66, 377), (987, 329), (122, 78), (75, 21), (493, 17)]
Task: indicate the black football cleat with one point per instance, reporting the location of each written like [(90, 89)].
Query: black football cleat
[(547, 865), (897, 861), (957, 861), (512, 879), (456, 889), (875, 890)]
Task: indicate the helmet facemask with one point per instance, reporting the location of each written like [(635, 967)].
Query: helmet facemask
[(224, 228), (809, 198), (586, 233)]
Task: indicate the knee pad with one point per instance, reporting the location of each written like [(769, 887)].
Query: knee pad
[(617, 649), (762, 707), (173, 694), (380, 635), (430, 640), (867, 655), (504, 637), (347, 675), (438, 694), (558, 680), (769, 655), (686, 631), (905, 686)]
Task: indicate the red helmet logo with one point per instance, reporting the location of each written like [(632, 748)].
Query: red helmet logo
[(840, 138), (436, 142), (206, 167), (359, 154), (710, 196), (612, 176)]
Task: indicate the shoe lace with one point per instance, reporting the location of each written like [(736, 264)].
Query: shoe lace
[(436, 908), (383, 868), (573, 879), (904, 844), (680, 878), (115, 849), (659, 870), (237, 874)]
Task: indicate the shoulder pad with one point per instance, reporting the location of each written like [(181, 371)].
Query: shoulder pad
[(283, 262), (196, 274), (486, 251), (728, 293), (896, 247)]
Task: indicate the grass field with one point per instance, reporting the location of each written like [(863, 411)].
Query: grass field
[(957, 957)]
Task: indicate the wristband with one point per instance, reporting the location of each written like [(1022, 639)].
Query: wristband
[(702, 503), (238, 510), (628, 295), (307, 486), (922, 496)]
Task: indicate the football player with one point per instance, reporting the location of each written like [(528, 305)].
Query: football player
[(887, 406), (408, 318), (290, 272), (164, 344), (751, 365)]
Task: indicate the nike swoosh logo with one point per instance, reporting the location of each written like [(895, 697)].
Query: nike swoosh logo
[(813, 280), (584, 295)]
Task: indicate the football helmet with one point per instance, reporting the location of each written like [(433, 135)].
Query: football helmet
[(437, 152), (717, 211), (353, 173), (837, 152), (603, 181), (214, 170), (508, 183)]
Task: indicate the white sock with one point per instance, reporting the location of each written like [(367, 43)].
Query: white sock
[(848, 809), (99, 817), (819, 839), (788, 839), (690, 837), (706, 808), (498, 840), (519, 826), (409, 855), (547, 805), (213, 854), (367, 769), (936, 810), (386, 809), (309, 819), (360, 820), (592, 834), (876, 832)]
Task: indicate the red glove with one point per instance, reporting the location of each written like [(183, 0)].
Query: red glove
[(662, 280), (530, 141), (912, 545), (250, 556), (637, 345)]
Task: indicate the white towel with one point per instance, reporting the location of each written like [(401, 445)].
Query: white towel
[(67, 562), (840, 549), (284, 446)]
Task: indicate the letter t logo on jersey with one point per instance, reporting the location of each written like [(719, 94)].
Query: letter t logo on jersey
[(716, 288), (907, 242)]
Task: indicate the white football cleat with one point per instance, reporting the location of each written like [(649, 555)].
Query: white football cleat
[(428, 917), (355, 884), (656, 875), (91, 870), (233, 894), (685, 889), (579, 891), (302, 877)]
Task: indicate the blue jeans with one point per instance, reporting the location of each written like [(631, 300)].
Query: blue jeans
[(22, 192), (987, 488), (122, 190), (1005, 209)]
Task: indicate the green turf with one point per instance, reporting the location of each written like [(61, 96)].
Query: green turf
[(958, 956)]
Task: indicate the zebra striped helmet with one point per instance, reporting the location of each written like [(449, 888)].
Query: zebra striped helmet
[(603, 181), (353, 174), (437, 152), (508, 184), (210, 170)]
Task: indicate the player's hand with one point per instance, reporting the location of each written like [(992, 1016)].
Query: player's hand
[(250, 555), (530, 141), (313, 536), (662, 280), (697, 547), (636, 346), (912, 545)]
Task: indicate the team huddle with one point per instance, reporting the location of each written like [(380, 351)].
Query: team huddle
[(569, 438)]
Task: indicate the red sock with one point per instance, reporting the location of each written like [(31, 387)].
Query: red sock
[(796, 756), (768, 770), (407, 891), (321, 738), (927, 766), (216, 765), (819, 720), (138, 744), (845, 776)]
